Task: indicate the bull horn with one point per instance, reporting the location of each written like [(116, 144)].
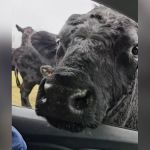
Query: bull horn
[(19, 28)]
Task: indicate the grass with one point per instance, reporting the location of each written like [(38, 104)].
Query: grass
[(16, 98)]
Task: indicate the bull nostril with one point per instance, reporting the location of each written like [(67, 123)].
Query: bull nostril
[(80, 100)]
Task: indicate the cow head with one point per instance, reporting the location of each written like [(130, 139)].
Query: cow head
[(97, 64), (26, 32)]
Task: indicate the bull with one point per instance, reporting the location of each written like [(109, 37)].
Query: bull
[(37, 49), (96, 77)]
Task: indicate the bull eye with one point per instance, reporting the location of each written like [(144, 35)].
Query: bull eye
[(135, 50), (58, 41)]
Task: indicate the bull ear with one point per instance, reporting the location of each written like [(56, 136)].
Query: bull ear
[(44, 41), (46, 70), (19, 28)]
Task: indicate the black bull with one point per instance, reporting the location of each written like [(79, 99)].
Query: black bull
[(37, 49), (95, 80)]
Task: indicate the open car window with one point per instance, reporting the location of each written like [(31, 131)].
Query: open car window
[(75, 74)]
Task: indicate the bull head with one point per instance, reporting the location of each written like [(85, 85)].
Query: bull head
[(95, 80)]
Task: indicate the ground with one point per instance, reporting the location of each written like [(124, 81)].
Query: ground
[(16, 93)]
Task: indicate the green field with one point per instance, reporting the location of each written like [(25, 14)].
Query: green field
[(16, 93)]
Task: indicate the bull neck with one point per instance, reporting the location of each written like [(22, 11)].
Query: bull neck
[(122, 113)]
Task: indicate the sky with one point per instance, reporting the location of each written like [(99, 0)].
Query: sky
[(47, 15)]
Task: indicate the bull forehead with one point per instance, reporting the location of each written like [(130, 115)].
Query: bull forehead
[(91, 27), (102, 17), (109, 18), (108, 13)]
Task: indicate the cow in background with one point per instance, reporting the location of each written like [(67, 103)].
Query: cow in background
[(37, 49)]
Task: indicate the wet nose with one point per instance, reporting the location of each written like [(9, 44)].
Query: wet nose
[(80, 101)]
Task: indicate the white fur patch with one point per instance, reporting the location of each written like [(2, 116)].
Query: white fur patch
[(44, 100), (47, 86), (81, 93)]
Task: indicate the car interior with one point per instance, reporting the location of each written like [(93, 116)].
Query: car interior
[(39, 135)]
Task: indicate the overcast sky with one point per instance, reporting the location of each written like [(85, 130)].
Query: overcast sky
[(48, 15)]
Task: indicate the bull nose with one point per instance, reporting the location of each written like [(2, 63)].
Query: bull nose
[(80, 101)]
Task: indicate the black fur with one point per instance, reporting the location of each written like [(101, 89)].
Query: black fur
[(37, 49), (95, 80)]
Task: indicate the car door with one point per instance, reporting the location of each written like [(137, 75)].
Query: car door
[(39, 135)]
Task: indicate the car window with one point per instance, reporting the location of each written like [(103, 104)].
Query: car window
[(84, 61)]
